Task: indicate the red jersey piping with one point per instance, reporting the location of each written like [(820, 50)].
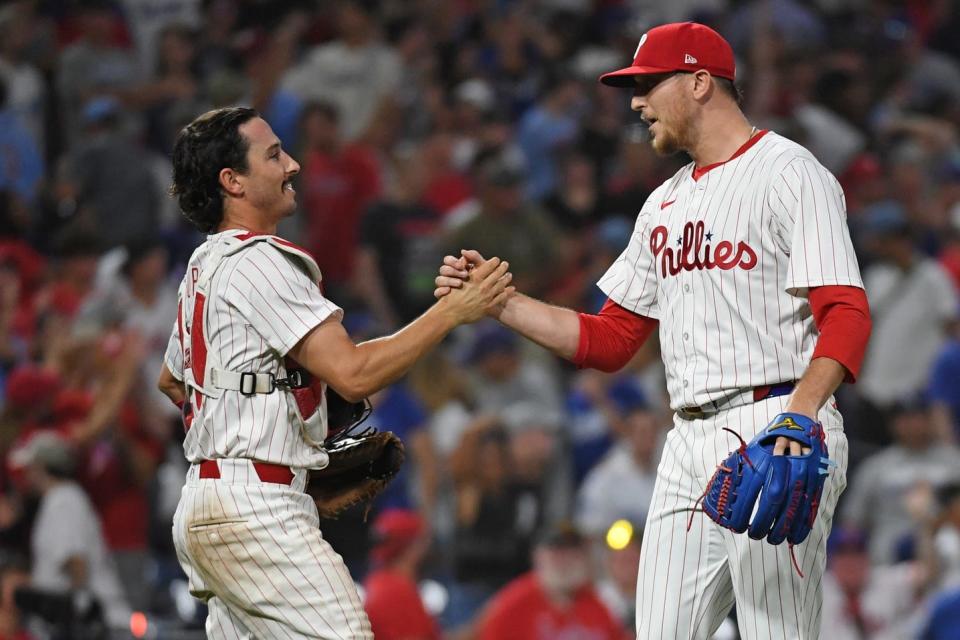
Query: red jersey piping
[(699, 171)]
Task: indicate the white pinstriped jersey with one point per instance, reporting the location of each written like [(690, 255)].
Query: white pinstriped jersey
[(261, 302), (724, 262)]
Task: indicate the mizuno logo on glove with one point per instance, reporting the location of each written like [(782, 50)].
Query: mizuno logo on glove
[(786, 423)]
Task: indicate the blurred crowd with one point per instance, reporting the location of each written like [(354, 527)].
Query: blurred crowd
[(424, 127)]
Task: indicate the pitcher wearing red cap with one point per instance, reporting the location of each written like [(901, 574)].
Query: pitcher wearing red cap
[(743, 263)]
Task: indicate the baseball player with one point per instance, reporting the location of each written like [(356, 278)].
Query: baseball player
[(744, 262), (253, 347)]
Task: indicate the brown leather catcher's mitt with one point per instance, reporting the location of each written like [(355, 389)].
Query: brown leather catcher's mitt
[(360, 468)]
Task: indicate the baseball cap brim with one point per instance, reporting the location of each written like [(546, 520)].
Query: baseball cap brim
[(623, 78)]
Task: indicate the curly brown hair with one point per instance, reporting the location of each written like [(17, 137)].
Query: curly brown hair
[(202, 148)]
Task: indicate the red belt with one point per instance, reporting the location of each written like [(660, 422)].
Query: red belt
[(266, 471)]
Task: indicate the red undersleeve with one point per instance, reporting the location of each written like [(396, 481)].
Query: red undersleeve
[(609, 339), (842, 316)]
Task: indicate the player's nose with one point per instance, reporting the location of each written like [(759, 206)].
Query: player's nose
[(637, 103), (293, 167)]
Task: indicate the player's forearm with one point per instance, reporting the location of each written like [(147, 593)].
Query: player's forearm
[(382, 361), (818, 383), (554, 328), (170, 386)]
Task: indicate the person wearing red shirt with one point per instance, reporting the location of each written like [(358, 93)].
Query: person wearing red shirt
[(338, 182), (555, 601), (392, 599)]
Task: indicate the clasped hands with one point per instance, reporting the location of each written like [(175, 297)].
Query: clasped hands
[(473, 287)]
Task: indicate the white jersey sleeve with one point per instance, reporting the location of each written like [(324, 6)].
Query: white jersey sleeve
[(631, 281), (273, 292), (173, 357), (809, 223)]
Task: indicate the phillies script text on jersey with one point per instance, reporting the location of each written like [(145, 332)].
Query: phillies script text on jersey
[(695, 254)]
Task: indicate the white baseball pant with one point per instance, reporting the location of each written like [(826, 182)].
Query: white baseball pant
[(689, 580), (253, 552)]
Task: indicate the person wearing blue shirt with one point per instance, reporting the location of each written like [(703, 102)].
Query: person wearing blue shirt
[(21, 165), (944, 385), (399, 411), (546, 128)]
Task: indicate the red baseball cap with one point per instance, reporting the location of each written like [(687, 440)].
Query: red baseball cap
[(679, 46), (394, 531)]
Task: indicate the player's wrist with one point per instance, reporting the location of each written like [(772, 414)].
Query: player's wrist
[(804, 410), (449, 313)]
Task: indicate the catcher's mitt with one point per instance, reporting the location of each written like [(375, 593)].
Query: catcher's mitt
[(786, 489), (360, 468)]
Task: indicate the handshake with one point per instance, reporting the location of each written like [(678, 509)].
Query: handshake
[(471, 287)]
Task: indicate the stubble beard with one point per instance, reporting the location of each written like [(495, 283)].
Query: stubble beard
[(664, 143), (671, 140)]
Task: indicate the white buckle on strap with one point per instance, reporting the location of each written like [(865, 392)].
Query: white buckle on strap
[(248, 383)]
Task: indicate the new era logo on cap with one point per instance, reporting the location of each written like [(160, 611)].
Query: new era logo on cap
[(679, 46)]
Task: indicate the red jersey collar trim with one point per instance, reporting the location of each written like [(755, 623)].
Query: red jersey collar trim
[(246, 235), (698, 172)]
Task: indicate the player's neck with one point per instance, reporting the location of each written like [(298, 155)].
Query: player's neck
[(234, 218), (719, 140)]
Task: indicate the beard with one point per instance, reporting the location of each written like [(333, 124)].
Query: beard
[(565, 580), (665, 143), (671, 139)]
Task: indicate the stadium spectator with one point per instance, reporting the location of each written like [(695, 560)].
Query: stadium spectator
[(598, 405), (944, 389), (911, 302), (555, 600), (620, 486), (26, 97), (357, 73), (545, 130), (338, 181), (134, 293), (396, 262), (151, 23), (398, 410), (876, 499), (392, 599), (864, 601), (617, 583), (497, 515), (96, 64), (503, 380), (111, 177), (21, 165), (68, 548), (173, 87), (14, 574), (507, 223)]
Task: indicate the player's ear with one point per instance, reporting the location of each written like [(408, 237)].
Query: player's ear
[(702, 84), (230, 182)]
